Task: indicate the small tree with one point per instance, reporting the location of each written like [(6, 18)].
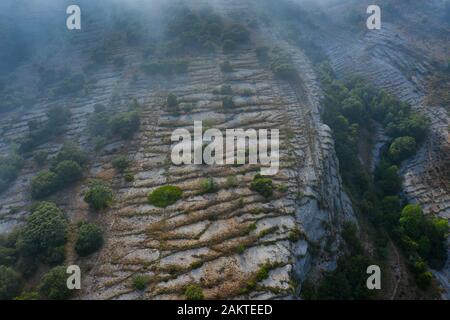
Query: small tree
[(120, 163), (90, 239), (43, 184), (10, 283), (53, 285), (67, 172), (99, 196), (46, 228)]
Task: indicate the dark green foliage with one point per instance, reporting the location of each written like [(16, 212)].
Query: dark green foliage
[(99, 195), (349, 234), (44, 184), (201, 30), (424, 235), (90, 239), (66, 169), (262, 185), (9, 170), (67, 172), (193, 292), (140, 282), (281, 64), (387, 178), (402, 148), (53, 285), (10, 283), (125, 124), (348, 281), (46, 229), (55, 256), (70, 151), (165, 196), (120, 163)]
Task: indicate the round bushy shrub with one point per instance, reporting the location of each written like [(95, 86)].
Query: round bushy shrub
[(193, 292), (262, 185), (67, 172), (165, 196), (46, 228), (120, 163), (43, 184), (10, 283), (90, 239), (99, 196), (53, 285)]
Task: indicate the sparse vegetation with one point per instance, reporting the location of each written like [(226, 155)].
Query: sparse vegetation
[(208, 186)]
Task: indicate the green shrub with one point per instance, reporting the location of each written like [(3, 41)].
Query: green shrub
[(10, 283), (71, 85), (140, 282), (229, 46), (281, 65), (53, 285), (424, 280), (193, 292), (165, 196), (129, 177), (99, 195), (46, 228), (402, 148), (120, 163), (208, 186), (44, 184), (70, 151), (67, 172), (125, 124), (262, 185), (90, 239), (9, 170), (55, 256)]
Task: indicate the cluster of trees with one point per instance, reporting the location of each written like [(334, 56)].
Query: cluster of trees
[(102, 125), (42, 241), (202, 31), (66, 168), (9, 170), (351, 107), (70, 85), (40, 132)]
